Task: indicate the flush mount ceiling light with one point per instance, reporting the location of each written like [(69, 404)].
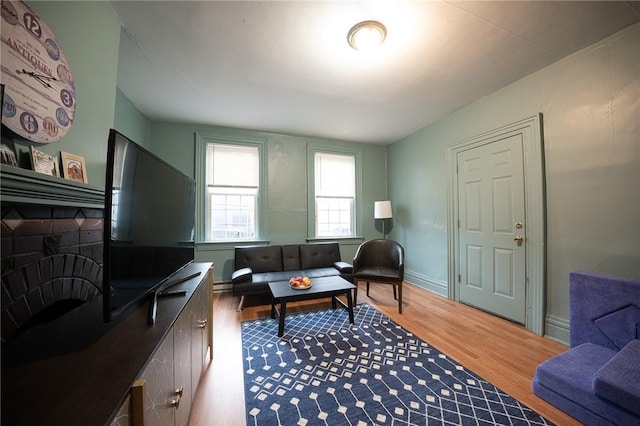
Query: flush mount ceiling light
[(366, 35)]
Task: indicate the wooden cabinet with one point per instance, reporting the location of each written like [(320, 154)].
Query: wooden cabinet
[(80, 370), (159, 388), (182, 390), (173, 373), (200, 334)]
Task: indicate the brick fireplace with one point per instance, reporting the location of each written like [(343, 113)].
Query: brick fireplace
[(51, 253)]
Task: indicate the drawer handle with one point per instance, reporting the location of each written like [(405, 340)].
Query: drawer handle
[(175, 402)]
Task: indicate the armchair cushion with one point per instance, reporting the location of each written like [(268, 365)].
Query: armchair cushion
[(619, 379), (380, 273)]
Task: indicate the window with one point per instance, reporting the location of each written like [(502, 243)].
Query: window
[(335, 194), (232, 191)]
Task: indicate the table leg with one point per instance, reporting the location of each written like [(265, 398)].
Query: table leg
[(350, 306), (283, 313), (273, 307)]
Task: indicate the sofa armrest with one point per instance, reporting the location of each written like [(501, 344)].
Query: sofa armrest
[(619, 379), (244, 274), (343, 267)]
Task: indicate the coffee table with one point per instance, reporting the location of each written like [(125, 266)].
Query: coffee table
[(333, 287)]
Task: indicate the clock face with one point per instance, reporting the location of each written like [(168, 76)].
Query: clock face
[(39, 95)]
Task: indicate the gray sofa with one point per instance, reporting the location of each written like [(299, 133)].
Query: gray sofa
[(256, 266)]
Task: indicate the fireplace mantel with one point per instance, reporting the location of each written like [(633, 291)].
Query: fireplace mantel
[(26, 186)]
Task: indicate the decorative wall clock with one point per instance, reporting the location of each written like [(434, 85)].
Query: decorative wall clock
[(39, 95)]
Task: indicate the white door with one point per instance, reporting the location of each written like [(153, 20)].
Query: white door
[(491, 222)]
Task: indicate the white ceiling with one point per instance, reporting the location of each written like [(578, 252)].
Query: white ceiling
[(286, 67)]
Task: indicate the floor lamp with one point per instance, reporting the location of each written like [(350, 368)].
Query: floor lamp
[(382, 210)]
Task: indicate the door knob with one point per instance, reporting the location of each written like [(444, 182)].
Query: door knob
[(519, 239)]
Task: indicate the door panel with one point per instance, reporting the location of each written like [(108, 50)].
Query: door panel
[(491, 201)]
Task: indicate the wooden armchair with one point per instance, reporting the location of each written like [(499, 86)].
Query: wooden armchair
[(380, 261)]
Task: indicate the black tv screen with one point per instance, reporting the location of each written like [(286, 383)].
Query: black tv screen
[(149, 224)]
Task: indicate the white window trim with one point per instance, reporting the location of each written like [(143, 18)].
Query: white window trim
[(202, 140), (311, 191)]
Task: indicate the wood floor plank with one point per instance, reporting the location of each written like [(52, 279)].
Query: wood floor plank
[(501, 352)]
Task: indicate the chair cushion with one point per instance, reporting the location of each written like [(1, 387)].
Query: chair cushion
[(619, 379), (378, 273)]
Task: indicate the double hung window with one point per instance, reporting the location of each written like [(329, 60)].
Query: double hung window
[(335, 194), (232, 191)]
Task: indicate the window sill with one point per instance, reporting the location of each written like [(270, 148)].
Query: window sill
[(227, 245), (341, 240)]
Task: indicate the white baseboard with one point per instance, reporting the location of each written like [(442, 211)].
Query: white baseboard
[(557, 329), (431, 284), (222, 286)]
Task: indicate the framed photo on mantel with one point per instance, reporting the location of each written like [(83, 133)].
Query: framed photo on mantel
[(73, 167), (44, 163)]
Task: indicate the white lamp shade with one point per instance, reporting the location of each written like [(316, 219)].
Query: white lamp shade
[(382, 210)]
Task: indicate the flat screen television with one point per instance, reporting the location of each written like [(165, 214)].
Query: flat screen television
[(148, 227)]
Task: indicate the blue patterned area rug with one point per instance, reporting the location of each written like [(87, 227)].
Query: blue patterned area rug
[(325, 371)]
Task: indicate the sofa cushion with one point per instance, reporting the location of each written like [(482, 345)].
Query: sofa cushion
[(269, 277), (619, 379), (259, 258), (570, 374), (620, 326), (290, 257), (319, 255), (320, 272), (603, 309)]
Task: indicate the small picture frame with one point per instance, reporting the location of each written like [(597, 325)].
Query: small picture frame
[(73, 167), (44, 163)]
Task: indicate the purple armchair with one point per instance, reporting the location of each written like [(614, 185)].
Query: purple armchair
[(597, 381)]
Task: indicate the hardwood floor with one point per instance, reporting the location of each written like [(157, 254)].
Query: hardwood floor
[(499, 351)]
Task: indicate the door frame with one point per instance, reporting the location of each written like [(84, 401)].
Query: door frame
[(535, 225)]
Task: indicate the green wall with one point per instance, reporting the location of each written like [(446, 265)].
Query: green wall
[(591, 125), (89, 33), (131, 122), (286, 215)]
